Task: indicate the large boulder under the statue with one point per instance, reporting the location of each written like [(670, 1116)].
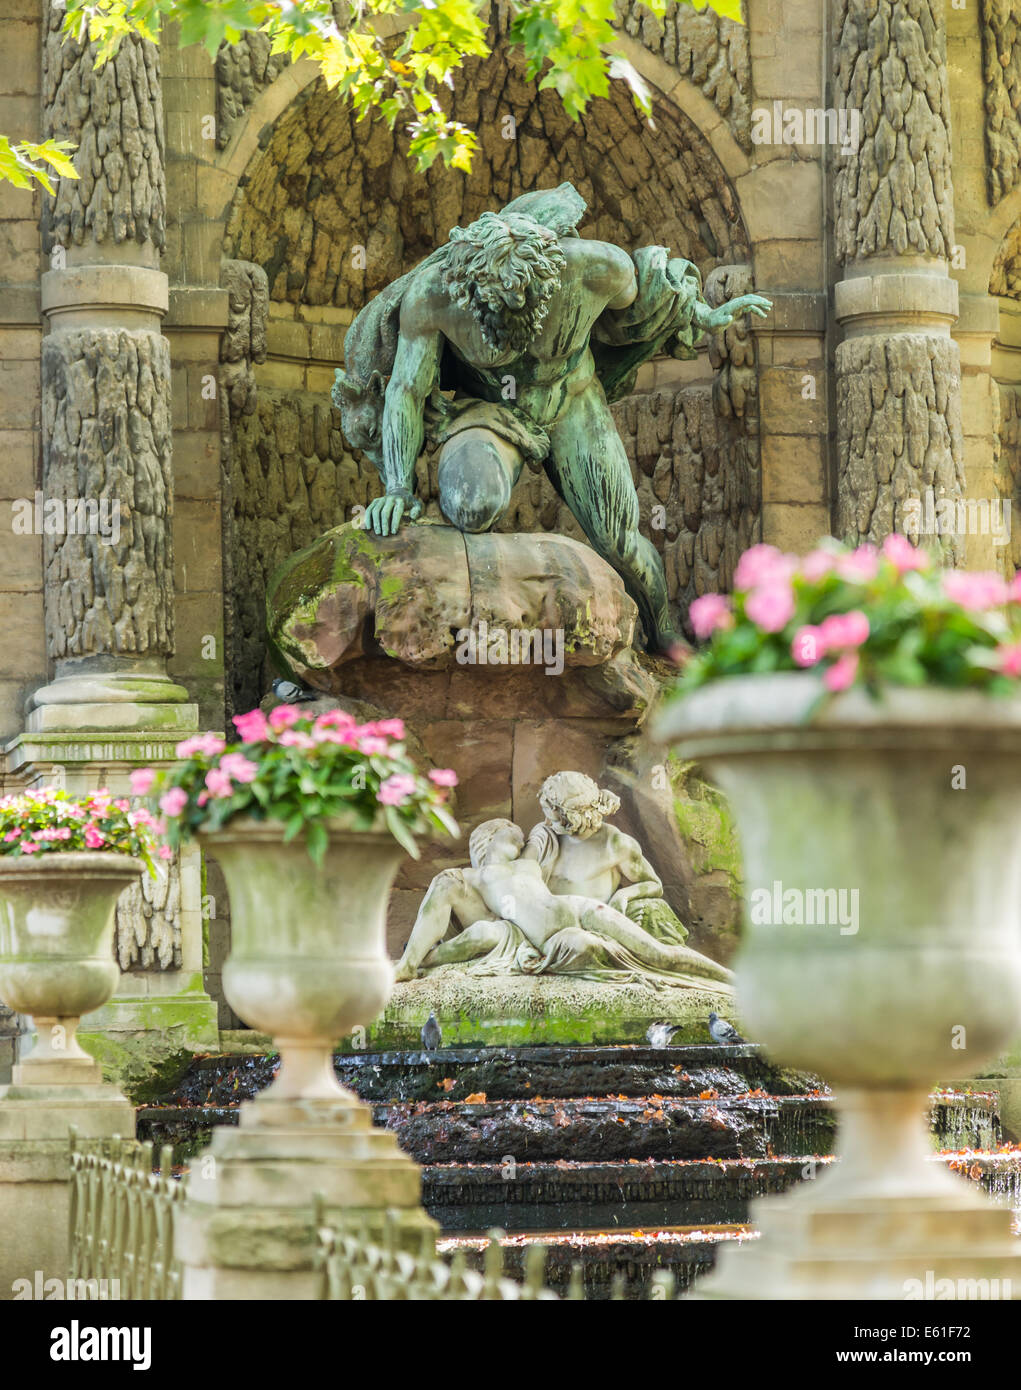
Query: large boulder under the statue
[(546, 1009), (353, 594)]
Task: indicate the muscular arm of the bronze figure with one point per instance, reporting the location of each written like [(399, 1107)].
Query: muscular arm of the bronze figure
[(713, 320), (609, 271), (631, 864), (414, 374)]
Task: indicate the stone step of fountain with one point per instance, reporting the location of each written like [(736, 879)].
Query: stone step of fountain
[(612, 1127), (998, 1171), (627, 1159), (585, 1196), (478, 1130), (627, 1259), (506, 1073), (519, 1073)]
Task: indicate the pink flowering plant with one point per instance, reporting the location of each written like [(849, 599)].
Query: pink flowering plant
[(49, 821), (302, 771), (873, 615)]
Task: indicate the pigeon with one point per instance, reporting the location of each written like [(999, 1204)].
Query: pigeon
[(432, 1034), (292, 694), (723, 1032), (661, 1034)]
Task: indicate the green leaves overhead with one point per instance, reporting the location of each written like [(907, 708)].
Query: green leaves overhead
[(25, 164), (569, 46)]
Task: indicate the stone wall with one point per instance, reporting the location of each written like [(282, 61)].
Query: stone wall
[(1007, 469), (712, 52), (1006, 274)]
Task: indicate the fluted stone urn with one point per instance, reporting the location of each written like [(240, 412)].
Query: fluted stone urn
[(882, 855), (308, 964), (56, 952)]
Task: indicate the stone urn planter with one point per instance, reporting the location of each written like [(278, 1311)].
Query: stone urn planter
[(308, 960), (56, 952), (309, 817), (882, 855), (308, 964)]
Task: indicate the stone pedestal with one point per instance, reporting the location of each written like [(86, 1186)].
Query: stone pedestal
[(36, 1115), (509, 657), (246, 1230), (865, 1230)]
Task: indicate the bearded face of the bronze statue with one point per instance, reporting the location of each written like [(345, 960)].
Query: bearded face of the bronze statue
[(505, 271)]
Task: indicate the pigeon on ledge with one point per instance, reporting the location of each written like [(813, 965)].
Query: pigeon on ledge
[(292, 694), (723, 1032), (432, 1035), (661, 1034)]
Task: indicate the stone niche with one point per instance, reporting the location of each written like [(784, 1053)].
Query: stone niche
[(330, 210), (426, 625)]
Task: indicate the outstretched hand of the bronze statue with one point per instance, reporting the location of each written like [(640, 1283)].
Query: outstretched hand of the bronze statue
[(728, 313), (383, 514)]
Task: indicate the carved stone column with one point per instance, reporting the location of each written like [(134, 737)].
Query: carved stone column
[(106, 507), (898, 372), (107, 493)]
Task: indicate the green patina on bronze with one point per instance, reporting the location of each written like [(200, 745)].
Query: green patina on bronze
[(505, 346)]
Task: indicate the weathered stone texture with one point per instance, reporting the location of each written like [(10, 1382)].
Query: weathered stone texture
[(895, 195), (148, 933), (243, 70), (352, 593), (899, 406), (1001, 52), (710, 50), (1007, 468), (1005, 278), (244, 340), (115, 117), (106, 427), (333, 210)]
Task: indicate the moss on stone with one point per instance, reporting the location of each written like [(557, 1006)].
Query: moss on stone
[(705, 820), (390, 586), (538, 1010), (144, 1067)]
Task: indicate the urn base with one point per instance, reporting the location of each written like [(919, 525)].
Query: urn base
[(35, 1122), (247, 1231), (904, 1249)]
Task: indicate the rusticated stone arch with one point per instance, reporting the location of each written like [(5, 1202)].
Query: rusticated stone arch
[(326, 184), (331, 210)]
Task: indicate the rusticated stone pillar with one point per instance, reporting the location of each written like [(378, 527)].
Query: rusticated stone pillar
[(107, 495), (898, 388), (105, 509)]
